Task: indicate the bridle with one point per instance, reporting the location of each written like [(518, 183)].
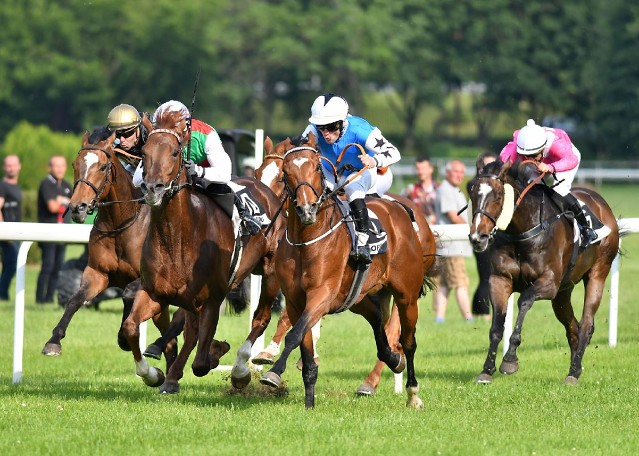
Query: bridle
[(173, 187), (292, 192), (109, 172)]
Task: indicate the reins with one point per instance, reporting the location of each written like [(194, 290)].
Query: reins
[(173, 187)]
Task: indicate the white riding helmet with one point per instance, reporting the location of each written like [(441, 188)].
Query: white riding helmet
[(327, 109), (532, 139)]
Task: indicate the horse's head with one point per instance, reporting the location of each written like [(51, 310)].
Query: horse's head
[(270, 171), (303, 176), (162, 155), (93, 172), (492, 202)]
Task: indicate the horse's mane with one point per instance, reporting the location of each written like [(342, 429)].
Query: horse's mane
[(491, 169), (99, 134), (299, 140)]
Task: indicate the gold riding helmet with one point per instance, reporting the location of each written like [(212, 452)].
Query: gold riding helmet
[(123, 117)]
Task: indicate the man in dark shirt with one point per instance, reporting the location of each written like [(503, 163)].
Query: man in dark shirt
[(10, 211), (53, 199)]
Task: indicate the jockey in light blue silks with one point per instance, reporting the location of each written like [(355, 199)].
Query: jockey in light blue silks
[(334, 129)]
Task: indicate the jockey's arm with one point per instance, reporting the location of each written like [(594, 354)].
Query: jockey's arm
[(137, 175), (385, 153), (220, 167)]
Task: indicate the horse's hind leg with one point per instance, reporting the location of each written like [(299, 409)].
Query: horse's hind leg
[(128, 297), (176, 327), (408, 312), (93, 282), (269, 354), (562, 307), (240, 373)]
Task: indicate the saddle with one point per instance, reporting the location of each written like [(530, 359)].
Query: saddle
[(377, 239)]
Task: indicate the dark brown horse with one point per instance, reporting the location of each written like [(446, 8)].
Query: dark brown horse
[(533, 253), (316, 274), (187, 257), (270, 173), (115, 242)]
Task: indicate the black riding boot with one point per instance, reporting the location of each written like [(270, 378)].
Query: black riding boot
[(226, 198), (359, 213), (588, 235), (250, 224)]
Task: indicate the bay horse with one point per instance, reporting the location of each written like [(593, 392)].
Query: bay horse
[(316, 275), (187, 257), (533, 252), (115, 242), (270, 173)]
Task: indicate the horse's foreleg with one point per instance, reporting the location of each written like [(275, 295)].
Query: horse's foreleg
[(309, 370), (143, 309), (240, 373), (209, 317), (128, 296), (175, 373), (510, 362), (167, 342), (93, 282), (500, 290)]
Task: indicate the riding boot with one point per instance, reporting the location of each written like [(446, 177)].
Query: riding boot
[(592, 231), (251, 225), (227, 198), (359, 213)]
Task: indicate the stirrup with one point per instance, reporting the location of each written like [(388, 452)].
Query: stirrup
[(362, 254)]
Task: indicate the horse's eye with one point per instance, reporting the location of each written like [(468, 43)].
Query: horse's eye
[(176, 152), (103, 167)]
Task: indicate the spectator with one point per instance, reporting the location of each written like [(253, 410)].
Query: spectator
[(11, 211), (453, 275), (53, 200), (481, 297), (424, 191)]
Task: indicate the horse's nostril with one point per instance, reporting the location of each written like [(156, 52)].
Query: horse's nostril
[(158, 188)]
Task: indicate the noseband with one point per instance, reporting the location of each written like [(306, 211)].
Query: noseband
[(292, 192), (108, 180)]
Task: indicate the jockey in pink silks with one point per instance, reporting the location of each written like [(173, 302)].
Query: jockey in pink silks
[(555, 153)]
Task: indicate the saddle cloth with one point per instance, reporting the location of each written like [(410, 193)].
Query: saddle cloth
[(377, 239)]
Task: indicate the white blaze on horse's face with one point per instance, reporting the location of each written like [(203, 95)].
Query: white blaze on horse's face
[(90, 159), (269, 174), (483, 192)]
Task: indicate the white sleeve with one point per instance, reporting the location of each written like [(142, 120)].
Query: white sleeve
[(385, 153), (137, 176), (220, 166)]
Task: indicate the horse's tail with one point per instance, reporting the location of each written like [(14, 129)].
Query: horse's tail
[(428, 283), (239, 297)]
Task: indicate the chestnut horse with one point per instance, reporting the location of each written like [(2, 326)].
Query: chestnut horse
[(315, 272), (115, 242), (270, 173), (533, 252), (187, 257)]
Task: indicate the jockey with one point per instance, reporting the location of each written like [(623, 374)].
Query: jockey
[(209, 161), (555, 153), (131, 134), (334, 129)]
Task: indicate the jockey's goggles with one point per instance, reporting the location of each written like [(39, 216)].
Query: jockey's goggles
[(331, 128), (125, 133)]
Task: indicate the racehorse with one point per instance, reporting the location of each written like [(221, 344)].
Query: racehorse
[(270, 173), (187, 257), (316, 275), (534, 251), (116, 239)]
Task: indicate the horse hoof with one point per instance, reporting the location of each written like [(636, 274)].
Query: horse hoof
[(51, 349), (400, 366), (571, 380), (153, 351), (154, 383), (484, 379), (415, 403), (263, 358), (271, 379), (169, 387), (241, 382), (365, 389), (508, 367)]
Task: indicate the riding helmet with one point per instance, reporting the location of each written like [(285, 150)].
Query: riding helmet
[(123, 117), (327, 109), (531, 139)]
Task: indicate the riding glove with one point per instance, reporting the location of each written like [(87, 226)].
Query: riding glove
[(193, 169)]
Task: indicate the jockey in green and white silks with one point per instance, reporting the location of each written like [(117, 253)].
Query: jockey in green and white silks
[(334, 129), (207, 160)]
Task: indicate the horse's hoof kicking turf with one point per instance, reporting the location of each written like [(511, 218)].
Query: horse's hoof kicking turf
[(153, 351), (365, 389), (271, 379)]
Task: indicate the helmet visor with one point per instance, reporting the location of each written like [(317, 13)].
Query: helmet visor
[(331, 127), (127, 133)]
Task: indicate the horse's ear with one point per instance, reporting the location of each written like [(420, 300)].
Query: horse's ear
[(85, 137), (146, 121), (268, 145), (505, 169), (312, 140)]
